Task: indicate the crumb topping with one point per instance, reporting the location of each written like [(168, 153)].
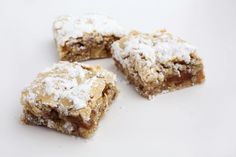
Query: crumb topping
[(160, 46), (65, 85), (66, 27)]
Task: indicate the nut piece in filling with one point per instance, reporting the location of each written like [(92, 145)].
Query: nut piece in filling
[(69, 97), (87, 37), (158, 62)]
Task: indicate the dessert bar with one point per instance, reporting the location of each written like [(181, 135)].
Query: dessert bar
[(157, 62), (69, 97)]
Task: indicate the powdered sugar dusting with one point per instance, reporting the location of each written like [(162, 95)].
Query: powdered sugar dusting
[(64, 80), (69, 89), (73, 70), (66, 27), (30, 97), (160, 47)]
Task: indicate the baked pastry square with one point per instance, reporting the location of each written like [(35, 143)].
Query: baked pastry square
[(69, 97), (87, 37), (157, 62)]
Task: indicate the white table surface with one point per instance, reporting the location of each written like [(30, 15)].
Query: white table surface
[(194, 122)]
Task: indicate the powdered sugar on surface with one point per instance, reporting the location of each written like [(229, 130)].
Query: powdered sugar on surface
[(69, 89), (66, 27), (63, 80), (160, 46)]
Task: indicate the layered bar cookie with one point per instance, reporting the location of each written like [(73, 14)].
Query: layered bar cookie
[(87, 37), (69, 97), (157, 62)]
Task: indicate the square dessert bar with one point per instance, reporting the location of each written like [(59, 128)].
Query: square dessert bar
[(157, 62), (87, 37), (69, 97)]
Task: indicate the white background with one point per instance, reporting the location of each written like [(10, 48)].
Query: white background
[(194, 122)]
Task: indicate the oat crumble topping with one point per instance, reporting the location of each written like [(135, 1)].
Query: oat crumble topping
[(64, 82)]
